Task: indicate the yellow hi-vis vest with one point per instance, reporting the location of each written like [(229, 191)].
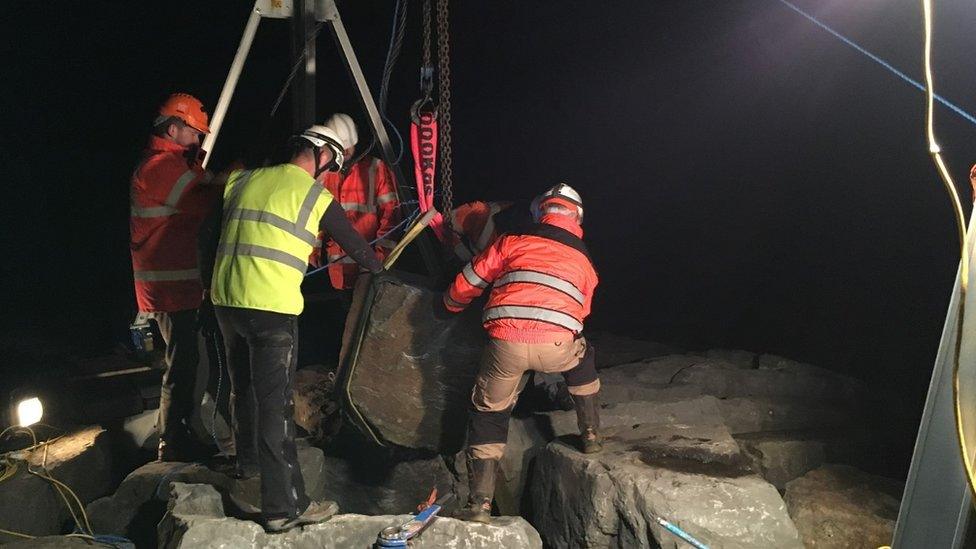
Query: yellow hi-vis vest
[(270, 221)]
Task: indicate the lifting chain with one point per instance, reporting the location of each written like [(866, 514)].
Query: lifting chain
[(444, 108), (426, 33)]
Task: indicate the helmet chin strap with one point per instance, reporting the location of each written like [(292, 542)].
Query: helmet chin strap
[(332, 165)]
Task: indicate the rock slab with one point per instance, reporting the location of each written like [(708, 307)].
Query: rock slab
[(409, 378), (140, 501), (836, 506), (85, 460), (612, 499), (195, 518)]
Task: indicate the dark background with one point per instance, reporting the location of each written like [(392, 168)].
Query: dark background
[(750, 181)]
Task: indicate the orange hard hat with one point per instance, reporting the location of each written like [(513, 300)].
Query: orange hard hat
[(187, 108)]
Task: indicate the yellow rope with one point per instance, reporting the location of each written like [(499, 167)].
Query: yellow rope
[(950, 187)]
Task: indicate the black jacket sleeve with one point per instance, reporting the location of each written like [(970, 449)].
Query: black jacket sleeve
[(334, 223), (207, 242)]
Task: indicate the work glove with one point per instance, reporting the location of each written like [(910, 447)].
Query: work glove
[(439, 310), (206, 318), (972, 180)]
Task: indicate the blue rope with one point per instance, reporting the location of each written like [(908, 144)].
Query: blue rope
[(407, 220), (879, 61)]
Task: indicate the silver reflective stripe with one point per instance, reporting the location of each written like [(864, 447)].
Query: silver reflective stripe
[(357, 207), (167, 276), (169, 207), (385, 198), (489, 228), (374, 166), (550, 281), (450, 301), (177, 191), (230, 203), (275, 220), (341, 259), (264, 252), (472, 277), (155, 211), (534, 313), (308, 205)]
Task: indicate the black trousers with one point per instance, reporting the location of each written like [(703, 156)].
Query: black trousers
[(179, 331), (262, 357)]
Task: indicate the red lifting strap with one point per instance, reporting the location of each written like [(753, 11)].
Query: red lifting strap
[(423, 144)]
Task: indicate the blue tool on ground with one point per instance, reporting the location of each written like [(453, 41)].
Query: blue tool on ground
[(680, 533), (399, 536)]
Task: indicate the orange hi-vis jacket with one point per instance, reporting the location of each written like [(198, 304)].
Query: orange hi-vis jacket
[(368, 196), (542, 283), (473, 225), (169, 200)]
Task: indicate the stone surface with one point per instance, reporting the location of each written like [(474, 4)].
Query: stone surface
[(700, 410), (315, 404), (612, 499), (742, 359), (195, 518), (780, 459), (85, 460), (612, 349), (755, 414), (837, 506), (412, 376), (725, 380), (140, 501), (377, 487)]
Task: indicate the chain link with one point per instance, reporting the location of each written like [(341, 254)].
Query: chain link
[(444, 108), (426, 33)]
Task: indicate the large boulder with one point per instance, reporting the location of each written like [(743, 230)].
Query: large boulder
[(612, 349), (386, 486), (140, 501), (840, 507), (782, 456), (756, 414), (614, 499), (86, 460), (407, 376), (789, 380), (195, 517), (315, 404)]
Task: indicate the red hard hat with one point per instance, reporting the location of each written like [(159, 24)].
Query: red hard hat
[(187, 108)]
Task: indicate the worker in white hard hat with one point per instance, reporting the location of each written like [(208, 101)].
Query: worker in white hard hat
[(270, 218), (366, 190)]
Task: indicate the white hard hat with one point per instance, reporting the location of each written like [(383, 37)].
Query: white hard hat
[(561, 193), (344, 127), (324, 136)]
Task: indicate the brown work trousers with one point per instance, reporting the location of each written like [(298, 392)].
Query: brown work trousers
[(497, 385)]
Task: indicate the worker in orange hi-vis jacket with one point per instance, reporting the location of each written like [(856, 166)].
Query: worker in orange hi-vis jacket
[(366, 191), (542, 283), (171, 195)]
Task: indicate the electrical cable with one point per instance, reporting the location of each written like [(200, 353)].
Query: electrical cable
[(397, 32), (936, 152), (406, 221)]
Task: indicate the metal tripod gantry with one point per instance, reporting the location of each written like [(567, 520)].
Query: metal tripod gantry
[(305, 14)]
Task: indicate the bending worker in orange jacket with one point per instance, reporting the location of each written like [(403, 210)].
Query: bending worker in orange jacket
[(542, 286), (366, 191), (171, 195)]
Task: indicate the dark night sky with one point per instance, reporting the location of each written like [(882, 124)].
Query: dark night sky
[(750, 181)]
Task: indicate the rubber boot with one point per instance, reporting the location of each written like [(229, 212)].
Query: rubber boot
[(481, 485), (588, 419)]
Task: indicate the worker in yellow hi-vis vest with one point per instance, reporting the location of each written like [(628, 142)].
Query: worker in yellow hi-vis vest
[(270, 220)]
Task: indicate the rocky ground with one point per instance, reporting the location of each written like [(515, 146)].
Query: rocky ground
[(736, 448)]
